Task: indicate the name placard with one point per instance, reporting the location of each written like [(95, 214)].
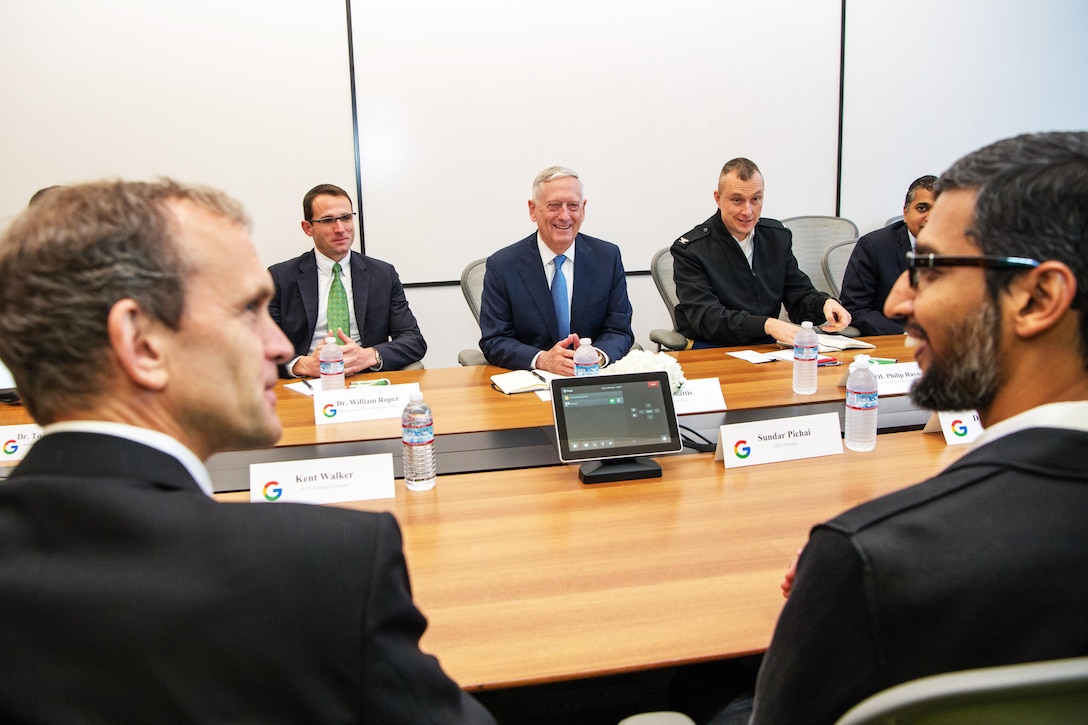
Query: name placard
[(699, 396), (780, 439), (958, 426), (323, 480), (367, 403), (16, 440), (895, 379)]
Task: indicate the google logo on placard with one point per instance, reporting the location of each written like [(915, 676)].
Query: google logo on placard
[(10, 447), (742, 449), (272, 491), (329, 411), (958, 428)]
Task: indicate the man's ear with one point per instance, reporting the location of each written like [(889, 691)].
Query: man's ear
[(138, 344), (1043, 296)]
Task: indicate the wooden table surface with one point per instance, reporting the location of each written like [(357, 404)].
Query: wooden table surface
[(531, 576)]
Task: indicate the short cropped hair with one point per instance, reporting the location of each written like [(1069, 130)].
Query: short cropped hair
[(1034, 204), (308, 200), (745, 169), (67, 260), (927, 182), (551, 174)]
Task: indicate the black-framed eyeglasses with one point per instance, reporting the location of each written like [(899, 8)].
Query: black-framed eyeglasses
[(916, 262), (343, 219)]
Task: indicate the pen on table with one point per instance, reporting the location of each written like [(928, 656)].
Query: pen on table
[(306, 383), (365, 383), (884, 360)]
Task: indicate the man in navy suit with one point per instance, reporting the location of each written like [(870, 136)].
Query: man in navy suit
[(383, 333), (521, 323), (880, 257), (127, 594)]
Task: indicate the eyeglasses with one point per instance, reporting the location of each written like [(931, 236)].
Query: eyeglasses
[(344, 219), (915, 262)]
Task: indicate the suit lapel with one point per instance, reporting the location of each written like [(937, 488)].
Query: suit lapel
[(536, 284), (360, 284), (585, 280), (307, 289), (903, 239)]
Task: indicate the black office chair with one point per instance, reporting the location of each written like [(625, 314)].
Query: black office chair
[(1055, 691)]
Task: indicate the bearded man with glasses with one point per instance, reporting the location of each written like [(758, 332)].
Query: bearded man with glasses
[(984, 564)]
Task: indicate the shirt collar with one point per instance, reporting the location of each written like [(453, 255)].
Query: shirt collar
[(145, 436), (547, 255), (324, 264), (1070, 415)]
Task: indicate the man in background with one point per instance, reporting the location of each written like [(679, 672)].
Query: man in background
[(555, 286), (736, 270), (981, 565), (333, 290), (126, 593), (880, 257)]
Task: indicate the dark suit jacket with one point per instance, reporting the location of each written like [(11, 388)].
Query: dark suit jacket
[(517, 319), (127, 595), (876, 262), (982, 565), (723, 300), (381, 309)]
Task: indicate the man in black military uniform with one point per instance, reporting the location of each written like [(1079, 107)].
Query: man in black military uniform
[(734, 271)]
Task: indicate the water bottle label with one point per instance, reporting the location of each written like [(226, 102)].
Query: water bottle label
[(417, 435), (861, 400), (332, 367), (581, 371), (805, 354)]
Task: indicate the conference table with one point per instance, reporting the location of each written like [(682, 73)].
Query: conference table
[(528, 576)]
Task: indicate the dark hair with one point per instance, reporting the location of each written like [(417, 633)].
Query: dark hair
[(1036, 206), (745, 169), (67, 261), (927, 182), (308, 200)]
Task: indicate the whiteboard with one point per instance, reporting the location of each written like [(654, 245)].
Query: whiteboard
[(925, 87), (251, 96), (460, 105)]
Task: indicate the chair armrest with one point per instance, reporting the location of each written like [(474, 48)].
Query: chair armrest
[(470, 357), (670, 339)]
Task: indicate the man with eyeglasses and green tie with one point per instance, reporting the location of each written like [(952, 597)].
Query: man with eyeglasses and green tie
[(984, 564), (334, 290)]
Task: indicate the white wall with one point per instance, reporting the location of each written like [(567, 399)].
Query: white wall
[(461, 105), (932, 80)]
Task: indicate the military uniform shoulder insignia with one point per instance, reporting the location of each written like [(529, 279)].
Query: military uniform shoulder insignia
[(703, 230)]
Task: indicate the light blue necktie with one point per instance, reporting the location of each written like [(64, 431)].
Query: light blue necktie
[(559, 297)]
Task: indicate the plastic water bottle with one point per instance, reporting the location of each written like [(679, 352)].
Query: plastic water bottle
[(861, 403), (417, 436), (586, 360), (332, 365), (805, 349)]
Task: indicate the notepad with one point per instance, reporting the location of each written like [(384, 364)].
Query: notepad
[(522, 381), (830, 343)]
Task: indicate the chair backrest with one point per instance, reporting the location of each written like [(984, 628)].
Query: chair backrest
[(834, 263), (661, 271), (1055, 691), (472, 285), (893, 220), (811, 236)]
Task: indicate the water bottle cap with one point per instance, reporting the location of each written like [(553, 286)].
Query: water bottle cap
[(806, 324), (329, 339), (585, 341), (415, 395), (862, 360)]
